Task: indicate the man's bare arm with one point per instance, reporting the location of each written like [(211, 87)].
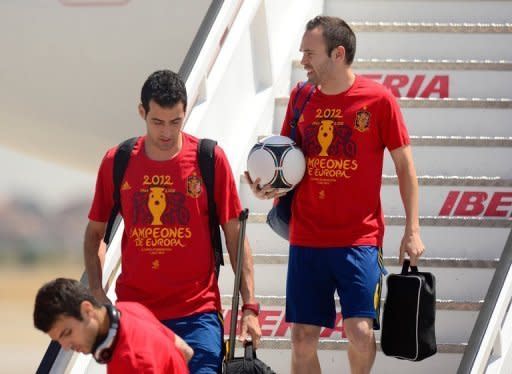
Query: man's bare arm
[(94, 255), (250, 322), (408, 184)]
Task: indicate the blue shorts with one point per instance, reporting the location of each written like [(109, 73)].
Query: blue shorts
[(204, 332), (314, 274)]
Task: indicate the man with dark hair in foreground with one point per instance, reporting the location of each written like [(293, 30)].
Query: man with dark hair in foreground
[(127, 337)]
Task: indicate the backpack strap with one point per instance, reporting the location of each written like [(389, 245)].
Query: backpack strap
[(206, 157), (298, 109), (121, 159)]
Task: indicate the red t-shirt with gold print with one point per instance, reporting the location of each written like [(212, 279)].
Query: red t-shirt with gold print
[(167, 258), (343, 138)]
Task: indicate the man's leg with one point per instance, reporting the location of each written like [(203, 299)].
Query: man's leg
[(359, 271), (361, 348), (309, 305), (204, 333), (304, 349)]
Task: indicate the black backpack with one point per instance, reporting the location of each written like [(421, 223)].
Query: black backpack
[(206, 157)]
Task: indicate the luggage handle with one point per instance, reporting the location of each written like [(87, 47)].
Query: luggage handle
[(249, 353), (405, 267), (244, 214)]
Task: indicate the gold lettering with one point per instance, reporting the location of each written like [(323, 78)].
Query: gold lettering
[(161, 233), (330, 168), (163, 242)]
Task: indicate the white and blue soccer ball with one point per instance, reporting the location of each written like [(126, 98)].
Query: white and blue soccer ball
[(277, 161)]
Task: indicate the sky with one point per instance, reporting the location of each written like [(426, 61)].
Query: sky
[(49, 184)]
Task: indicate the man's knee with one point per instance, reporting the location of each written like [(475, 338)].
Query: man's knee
[(360, 334), (305, 338)]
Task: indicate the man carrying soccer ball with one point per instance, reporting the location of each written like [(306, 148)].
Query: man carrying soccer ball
[(337, 223)]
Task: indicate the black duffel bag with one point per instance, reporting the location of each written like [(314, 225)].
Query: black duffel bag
[(408, 321), (249, 364)]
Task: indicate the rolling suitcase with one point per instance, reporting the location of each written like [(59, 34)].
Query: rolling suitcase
[(249, 363)]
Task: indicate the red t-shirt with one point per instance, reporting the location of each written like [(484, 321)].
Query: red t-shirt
[(167, 257), (343, 139), (144, 344)]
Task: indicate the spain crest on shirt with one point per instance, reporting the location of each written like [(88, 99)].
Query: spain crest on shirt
[(362, 120), (193, 186)]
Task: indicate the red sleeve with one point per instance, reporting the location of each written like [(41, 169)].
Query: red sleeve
[(103, 196), (393, 131), (226, 194), (121, 364)]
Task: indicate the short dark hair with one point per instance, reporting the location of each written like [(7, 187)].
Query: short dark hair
[(336, 32), (60, 297), (166, 88)]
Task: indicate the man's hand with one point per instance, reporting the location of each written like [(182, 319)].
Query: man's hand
[(184, 348), (413, 246), (266, 192), (251, 326)]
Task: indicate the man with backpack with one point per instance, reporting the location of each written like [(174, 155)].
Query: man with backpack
[(171, 207)]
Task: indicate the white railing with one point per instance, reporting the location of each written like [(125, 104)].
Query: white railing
[(244, 65), (495, 354), (490, 345)]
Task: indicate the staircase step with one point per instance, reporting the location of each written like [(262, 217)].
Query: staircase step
[(446, 117), (441, 180), (457, 158), (440, 262), (454, 320), (457, 153), (424, 221), (450, 121), (342, 344), (474, 103), (333, 358), (463, 102), (455, 199), (431, 78), (455, 237), (432, 27), (279, 301), (429, 64), (457, 283), (433, 41), (420, 11)]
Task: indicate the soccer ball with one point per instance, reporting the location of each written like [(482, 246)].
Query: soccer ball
[(277, 161)]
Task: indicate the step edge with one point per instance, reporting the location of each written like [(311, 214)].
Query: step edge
[(342, 344), (457, 221), (432, 27), (441, 304), (442, 180), (429, 64), (431, 262)]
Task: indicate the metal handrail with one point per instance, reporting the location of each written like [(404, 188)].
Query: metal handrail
[(199, 39), (487, 310)]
